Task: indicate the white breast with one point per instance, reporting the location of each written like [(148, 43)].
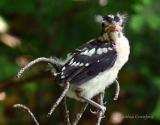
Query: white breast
[(123, 50), (104, 79)]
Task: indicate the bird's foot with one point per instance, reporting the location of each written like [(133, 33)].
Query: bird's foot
[(102, 109)]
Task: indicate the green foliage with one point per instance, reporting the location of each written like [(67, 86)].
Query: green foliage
[(31, 87), (145, 15), (156, 112), (8, 69)]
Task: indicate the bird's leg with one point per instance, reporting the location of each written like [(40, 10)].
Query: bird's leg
[(93, 103), (100, 114), (117, 90), (59, 99), (79, 114), (38, 60), (66, 111)]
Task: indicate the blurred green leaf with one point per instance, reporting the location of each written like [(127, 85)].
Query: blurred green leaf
[(138, 48), (137, 23), (153, 21), (146, 2), (156, 112), (8, 68), (30, 87), (138, 8), (156, 81)]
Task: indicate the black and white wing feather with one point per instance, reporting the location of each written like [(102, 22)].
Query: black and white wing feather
[(88, 61)]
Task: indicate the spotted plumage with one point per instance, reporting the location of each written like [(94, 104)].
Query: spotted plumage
[(98, 57)]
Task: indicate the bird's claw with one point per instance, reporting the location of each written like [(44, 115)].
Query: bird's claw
[(104, 103), (103, 110), (115, 98), (93, 112)]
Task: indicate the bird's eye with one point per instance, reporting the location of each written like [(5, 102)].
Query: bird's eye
[(116, 18), (108, 19), (103, 25)]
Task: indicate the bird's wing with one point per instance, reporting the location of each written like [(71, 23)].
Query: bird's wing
[(88, 61)]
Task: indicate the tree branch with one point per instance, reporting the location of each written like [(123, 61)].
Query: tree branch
[(79, 114), (28, 110), (66, 111), (100, 113)]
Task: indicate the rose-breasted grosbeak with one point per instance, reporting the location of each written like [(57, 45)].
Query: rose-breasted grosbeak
[(93, 66)]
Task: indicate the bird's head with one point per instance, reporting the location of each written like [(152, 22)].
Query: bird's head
[(112, 26)]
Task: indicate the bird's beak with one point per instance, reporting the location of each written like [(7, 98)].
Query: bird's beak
[(114, 28)]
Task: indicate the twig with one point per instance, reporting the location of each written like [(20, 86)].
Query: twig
[(79, 114), (100, 113), (117, 90), (66, 111), (41, 59), (28, 110), (59, 99)]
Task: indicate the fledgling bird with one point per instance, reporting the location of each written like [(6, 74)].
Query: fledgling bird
[(94, 66)]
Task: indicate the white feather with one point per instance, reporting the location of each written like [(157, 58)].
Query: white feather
[(99, 51), (88, 52), (105, 50)]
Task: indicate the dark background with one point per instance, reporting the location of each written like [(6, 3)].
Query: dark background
[(45, 28)]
